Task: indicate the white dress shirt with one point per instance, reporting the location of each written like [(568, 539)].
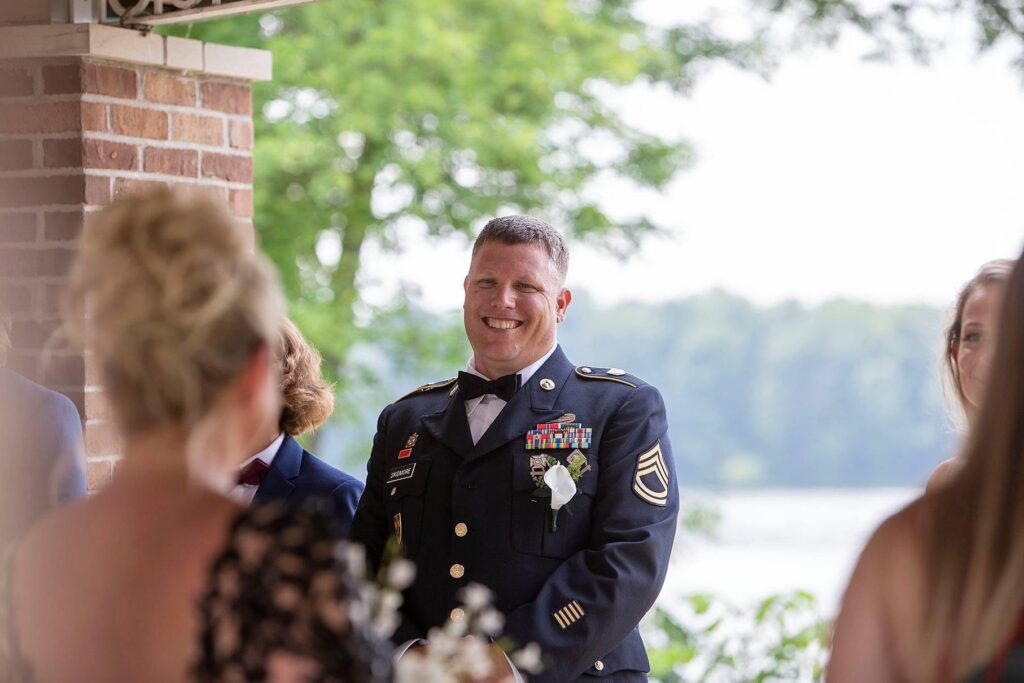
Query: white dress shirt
[(244, 493), (482, 411)]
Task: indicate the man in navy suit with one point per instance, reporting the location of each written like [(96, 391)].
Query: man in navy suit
[(285, 471), (41, 449), (282, 470), (551, 484)]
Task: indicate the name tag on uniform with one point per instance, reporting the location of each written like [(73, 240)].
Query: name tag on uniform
[(400, 473)]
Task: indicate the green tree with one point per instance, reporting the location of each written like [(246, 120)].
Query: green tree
[(439, 114)]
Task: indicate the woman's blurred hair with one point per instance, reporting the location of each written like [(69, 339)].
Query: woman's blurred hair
[(975, 533), (171, 300)]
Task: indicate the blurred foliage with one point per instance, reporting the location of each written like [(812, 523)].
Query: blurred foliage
[(386, 119), (913, 25), (699, 518), (706, 640)]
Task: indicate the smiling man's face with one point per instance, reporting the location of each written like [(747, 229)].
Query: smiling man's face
[(514, 301)]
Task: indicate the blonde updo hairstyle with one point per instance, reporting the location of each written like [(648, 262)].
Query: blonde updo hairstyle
[(308, 399), (997, 271), (171, 300)]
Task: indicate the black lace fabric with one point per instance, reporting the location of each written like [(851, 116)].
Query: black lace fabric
[(283, 604)]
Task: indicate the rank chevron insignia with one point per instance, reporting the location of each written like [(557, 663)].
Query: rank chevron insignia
[(652, 479)]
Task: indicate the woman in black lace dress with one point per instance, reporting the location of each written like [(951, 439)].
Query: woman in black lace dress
[(938, 593), (158, 578)]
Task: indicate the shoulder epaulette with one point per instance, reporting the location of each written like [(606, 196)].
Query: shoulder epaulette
[(607, 374), (427, 388)]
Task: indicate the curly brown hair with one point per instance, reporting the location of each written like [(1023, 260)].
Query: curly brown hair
[(308, 399)]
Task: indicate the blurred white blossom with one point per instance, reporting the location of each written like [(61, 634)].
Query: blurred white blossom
[(401, 574)]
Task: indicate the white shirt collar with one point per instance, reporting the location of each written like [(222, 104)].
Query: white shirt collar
[(483, 410), (268, 454), (525, 374)]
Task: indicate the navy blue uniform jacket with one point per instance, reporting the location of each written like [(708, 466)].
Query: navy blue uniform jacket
[(580, 591), (296, 477)]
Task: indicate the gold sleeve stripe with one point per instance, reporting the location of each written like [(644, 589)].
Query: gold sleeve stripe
[(580, 608), (571, 607), (561, 622)]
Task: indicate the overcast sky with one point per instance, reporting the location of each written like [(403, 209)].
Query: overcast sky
[(835, 178)]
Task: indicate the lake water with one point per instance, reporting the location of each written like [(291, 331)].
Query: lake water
[(776, 540)]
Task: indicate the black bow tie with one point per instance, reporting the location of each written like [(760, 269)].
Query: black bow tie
[(472, 386)]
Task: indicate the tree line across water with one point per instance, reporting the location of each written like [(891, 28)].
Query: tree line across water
[(838, 394)]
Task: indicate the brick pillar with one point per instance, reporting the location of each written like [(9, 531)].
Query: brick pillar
[(76, 131)]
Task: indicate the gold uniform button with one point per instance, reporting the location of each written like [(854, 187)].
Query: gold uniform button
[(457, 614), (461, 529), (599, 665), (457, 571)]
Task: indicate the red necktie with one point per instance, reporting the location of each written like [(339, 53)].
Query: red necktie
[(253, 473)]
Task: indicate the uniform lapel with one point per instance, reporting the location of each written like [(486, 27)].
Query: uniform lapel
[(450, 426), (277, 483), (531, 405)]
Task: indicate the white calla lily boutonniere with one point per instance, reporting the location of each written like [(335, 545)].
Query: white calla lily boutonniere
[(556, 480), (563, 488)]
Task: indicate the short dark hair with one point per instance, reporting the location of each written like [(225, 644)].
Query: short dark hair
[(527, 230)]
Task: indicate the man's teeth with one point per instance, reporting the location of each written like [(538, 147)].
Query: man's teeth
[(501, 324)]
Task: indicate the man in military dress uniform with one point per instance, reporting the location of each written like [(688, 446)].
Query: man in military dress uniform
[(466, 474)]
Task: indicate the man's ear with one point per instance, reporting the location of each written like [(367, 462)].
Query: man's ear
[(562, 302)]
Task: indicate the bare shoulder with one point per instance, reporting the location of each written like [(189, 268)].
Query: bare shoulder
[(876, 630), (896, 552), (943, 473)]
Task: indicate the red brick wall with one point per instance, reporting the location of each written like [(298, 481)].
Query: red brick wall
[(73, 135)]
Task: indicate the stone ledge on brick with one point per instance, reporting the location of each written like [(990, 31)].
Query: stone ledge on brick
[(127, 45)]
